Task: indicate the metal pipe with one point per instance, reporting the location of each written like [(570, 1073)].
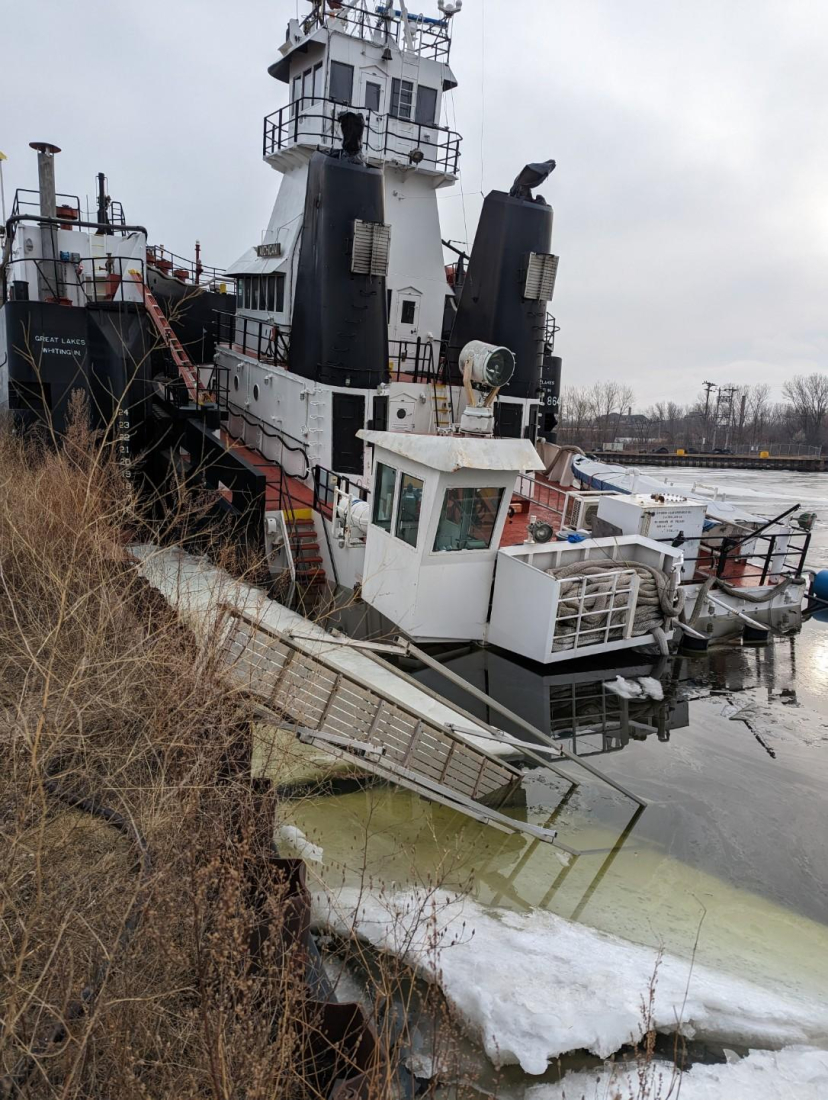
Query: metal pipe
[(510, 714), (48, 210)]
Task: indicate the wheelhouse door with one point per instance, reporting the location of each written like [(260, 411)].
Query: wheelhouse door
[(347, 452)]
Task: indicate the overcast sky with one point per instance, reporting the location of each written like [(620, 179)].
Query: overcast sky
[(691, 195)]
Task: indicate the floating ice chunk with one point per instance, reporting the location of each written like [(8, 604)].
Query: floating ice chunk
[(303, 847), (791, 1074), (627, 689), (652, 687), (531, 986)]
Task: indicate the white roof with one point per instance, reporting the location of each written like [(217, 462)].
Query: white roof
[(458, 452)]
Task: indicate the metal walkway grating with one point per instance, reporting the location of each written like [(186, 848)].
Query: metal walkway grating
[(349, 717)]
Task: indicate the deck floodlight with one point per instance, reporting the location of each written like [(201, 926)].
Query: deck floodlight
[(486, 368), (486, 365)]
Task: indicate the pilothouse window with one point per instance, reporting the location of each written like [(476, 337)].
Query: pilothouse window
[(402, 98), (372, 97), (408, 509), (468, 518), (426, 105), (341, 82), (384, 483)]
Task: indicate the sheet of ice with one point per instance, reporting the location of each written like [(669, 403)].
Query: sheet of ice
[(300, 844), (534, 985), (627, 689), (791, 1074), (651, 687), (198, 589)]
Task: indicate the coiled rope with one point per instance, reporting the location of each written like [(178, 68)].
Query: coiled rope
[(659, 599)]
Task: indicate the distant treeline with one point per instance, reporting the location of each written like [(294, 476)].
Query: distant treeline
[(738, 418)]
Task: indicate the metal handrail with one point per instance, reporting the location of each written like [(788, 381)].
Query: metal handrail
[(325, 485), (538, 494), (264, 340), (415, 358), (101, 282), (431, 38), (312, 120), (169, 263)]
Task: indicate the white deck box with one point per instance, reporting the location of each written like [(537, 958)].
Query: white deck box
[(525, 604)]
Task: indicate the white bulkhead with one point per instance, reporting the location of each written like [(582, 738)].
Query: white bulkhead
[(438, 507), (393, 69)]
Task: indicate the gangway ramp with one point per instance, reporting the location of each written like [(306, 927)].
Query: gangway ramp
[(339, 712)]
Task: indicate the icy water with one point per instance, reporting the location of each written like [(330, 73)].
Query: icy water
[(733, 762)]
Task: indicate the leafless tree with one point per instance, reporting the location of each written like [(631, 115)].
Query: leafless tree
[(807, 395)]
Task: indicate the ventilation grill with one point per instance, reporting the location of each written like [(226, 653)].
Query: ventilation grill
[(540, 276), (580, 513), (372, 242)]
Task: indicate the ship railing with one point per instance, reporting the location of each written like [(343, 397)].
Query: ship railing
[(413, 361), (184, 269), (27, 201), (551, 330), (382, 24), (312, 121), (326, 486), (539, 495), (73, 280), (753, 559), (67, 209), (266, 341)]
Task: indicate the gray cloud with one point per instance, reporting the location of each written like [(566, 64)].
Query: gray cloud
[(690, 216)]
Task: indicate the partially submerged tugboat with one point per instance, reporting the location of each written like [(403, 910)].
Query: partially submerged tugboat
[(382, 422)]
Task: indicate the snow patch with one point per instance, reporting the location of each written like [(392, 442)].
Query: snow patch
[(627, 689), (303, 847), (791, 1074), (532, 986), (651, 687)]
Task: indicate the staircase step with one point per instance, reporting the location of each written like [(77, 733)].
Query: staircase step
[(308, 560)]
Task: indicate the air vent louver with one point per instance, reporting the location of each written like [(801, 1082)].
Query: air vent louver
[(372, 243), (540, 276)]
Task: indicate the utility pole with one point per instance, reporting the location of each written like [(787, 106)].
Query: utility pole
[(2, 190), (729, 422), (708, 386)]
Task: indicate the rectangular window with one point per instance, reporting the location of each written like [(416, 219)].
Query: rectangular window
[(408, 312), (297, 92), (372, 97), (402, 98), (317, 82), (384, 484), (341, 82), (426, 105), (247, 285), (468, 519), (408, 510), (240, 292), (254, 292), (307, 86), (280, 293), (271, 292)]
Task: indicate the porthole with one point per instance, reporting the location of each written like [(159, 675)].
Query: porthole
[(255, 393), (401, 414), (235, 381)]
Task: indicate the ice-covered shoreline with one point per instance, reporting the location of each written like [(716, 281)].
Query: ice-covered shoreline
[(797, 1073), (532, 986)]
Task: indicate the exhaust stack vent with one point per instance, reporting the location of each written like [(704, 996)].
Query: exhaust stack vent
[(540, 277), (372, 245)]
